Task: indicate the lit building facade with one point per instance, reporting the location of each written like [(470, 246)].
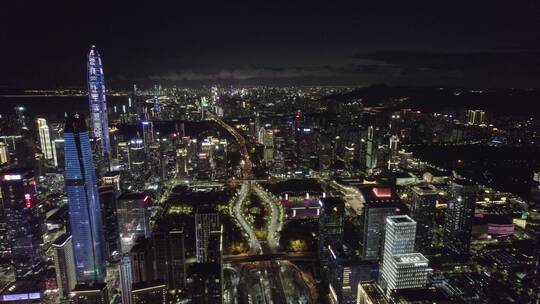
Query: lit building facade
[(379, 203), (402, 268), (133, 218), (64, 265), (208, 237), (84, 205), (207, 286), (109, 218), (153, 292), (23, 221), (4, 153), (58, 153), (423, 211), (459, 216), (126, 279), (90, 294), (45, 138), (331, 225), (97, 100)]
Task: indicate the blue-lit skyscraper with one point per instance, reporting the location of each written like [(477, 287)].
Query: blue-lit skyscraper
[(83, 201), (97, 100)]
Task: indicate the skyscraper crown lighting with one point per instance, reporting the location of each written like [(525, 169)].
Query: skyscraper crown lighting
[(97, 100)]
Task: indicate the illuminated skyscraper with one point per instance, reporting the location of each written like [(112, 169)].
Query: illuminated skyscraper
[(331, 223), (4, 154), (423, 211), (371, 161), (133, 218), (19, 199), (83, 201), (459, 216), (97, 100), (402, 268), (45, 138), (64, 264), (58, 153), (126, 279), (379, 203), (476, 117)]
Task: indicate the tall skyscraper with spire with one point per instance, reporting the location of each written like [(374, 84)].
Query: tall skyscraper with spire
[(83, 202), (98, 101)]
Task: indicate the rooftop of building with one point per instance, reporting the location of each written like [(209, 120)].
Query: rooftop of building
[(89, 287), (16, 171), (437, 172), (142, 286), (106, 188), (379, 194), (420, 295), (400, 219), (29, 288), (410, 258), (111, 173), (205, 268), (75, 123), (140, 245), (183, 195), (132, 196), (59, 215), (61, 240), (373, 293), (404, 175), (426, 189), (332, 204), (464, 183)]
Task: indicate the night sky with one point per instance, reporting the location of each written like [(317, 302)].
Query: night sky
[(413, 43)]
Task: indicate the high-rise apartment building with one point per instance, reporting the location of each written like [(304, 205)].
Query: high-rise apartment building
[(476, 117)]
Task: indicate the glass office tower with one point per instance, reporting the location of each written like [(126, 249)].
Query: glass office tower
[(97, 100), (83, 200)]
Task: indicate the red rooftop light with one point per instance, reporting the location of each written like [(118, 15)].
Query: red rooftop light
[(382, 192)]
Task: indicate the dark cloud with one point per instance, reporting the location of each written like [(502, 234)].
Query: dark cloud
[(206, 41), (519, 68), (248, 73)]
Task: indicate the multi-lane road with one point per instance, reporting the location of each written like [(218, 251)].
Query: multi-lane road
[(275, 224), (254, 244), (247, 165)]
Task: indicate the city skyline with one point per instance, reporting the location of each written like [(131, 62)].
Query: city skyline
[(268, 152)]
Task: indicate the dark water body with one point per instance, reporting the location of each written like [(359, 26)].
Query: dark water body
[(505, 168)]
